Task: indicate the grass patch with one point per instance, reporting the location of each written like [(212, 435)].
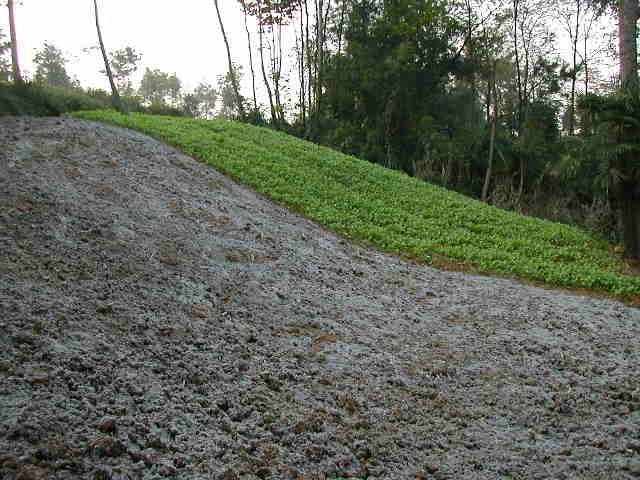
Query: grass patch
[(390, 210)]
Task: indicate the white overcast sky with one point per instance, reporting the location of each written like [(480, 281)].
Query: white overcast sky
[(179, 37)]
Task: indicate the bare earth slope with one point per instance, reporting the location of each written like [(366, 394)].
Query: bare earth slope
[(159, 320)]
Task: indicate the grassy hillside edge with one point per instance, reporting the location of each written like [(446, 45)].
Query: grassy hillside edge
[(390, 210)]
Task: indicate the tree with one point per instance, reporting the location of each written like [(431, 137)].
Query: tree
[(628, 47), (624, 175), (253, 75), (51, 67), (265, 78), (17, 76), (493, 95), (5, 64), (533, 42), (115, 96), (229, 109), (573, 14), (124, 62), (617, 118), (232, 73), (272, 16), (201, 102), (160, 88)]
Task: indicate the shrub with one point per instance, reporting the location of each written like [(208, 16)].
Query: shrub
[(40, 100)]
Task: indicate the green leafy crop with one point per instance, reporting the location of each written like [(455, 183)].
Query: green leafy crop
[(390, 210)]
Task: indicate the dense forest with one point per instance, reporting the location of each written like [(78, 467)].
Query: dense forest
[(531, 105)]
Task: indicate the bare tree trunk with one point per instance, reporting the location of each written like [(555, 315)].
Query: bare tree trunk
[(517, 59), (322, 40), (274, 117), (17, 76), (115, 96), (309, 73), (492, 137), (253, 75), (626, 190), (341, 26), (302, 84), (574, 76), (309, 63), (586, 68), (232, 72), (316, 54), (277, 73), (470, 53), (389, 111), (628, 18), (631, 219), (522, 110), (523, 166)]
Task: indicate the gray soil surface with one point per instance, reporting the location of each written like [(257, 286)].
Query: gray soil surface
[(158, 320)]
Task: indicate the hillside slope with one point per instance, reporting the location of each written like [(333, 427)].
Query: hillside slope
[(160, 320), (389, 210)]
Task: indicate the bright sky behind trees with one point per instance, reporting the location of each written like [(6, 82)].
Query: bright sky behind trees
[(176, 37)]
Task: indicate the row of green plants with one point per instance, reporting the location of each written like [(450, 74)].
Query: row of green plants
[(388, 209)]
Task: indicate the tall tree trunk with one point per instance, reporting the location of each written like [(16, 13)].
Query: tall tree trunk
[(626, 191), (302, 83), (492, 137), (388, 120), (586, 68), (627, 21), (470, 52), (630, 210), (517, 64), (232, 72), (253, 75), (309, 73), (524, 111), (316, 54), (115, 96), (17, 76), (341, 26), (574, 76), (324, 15), (277, 72), (274, 117)]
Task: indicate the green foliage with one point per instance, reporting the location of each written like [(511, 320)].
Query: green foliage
[(393, 73), (201, 103), (158, 88), (163, 109), (229, 102), (616, 131), (388, 209), (124, 62), (40, 100), (5, 63), (51, 67)]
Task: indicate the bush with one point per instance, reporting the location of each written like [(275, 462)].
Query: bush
[(40, 100), (163, 109)]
